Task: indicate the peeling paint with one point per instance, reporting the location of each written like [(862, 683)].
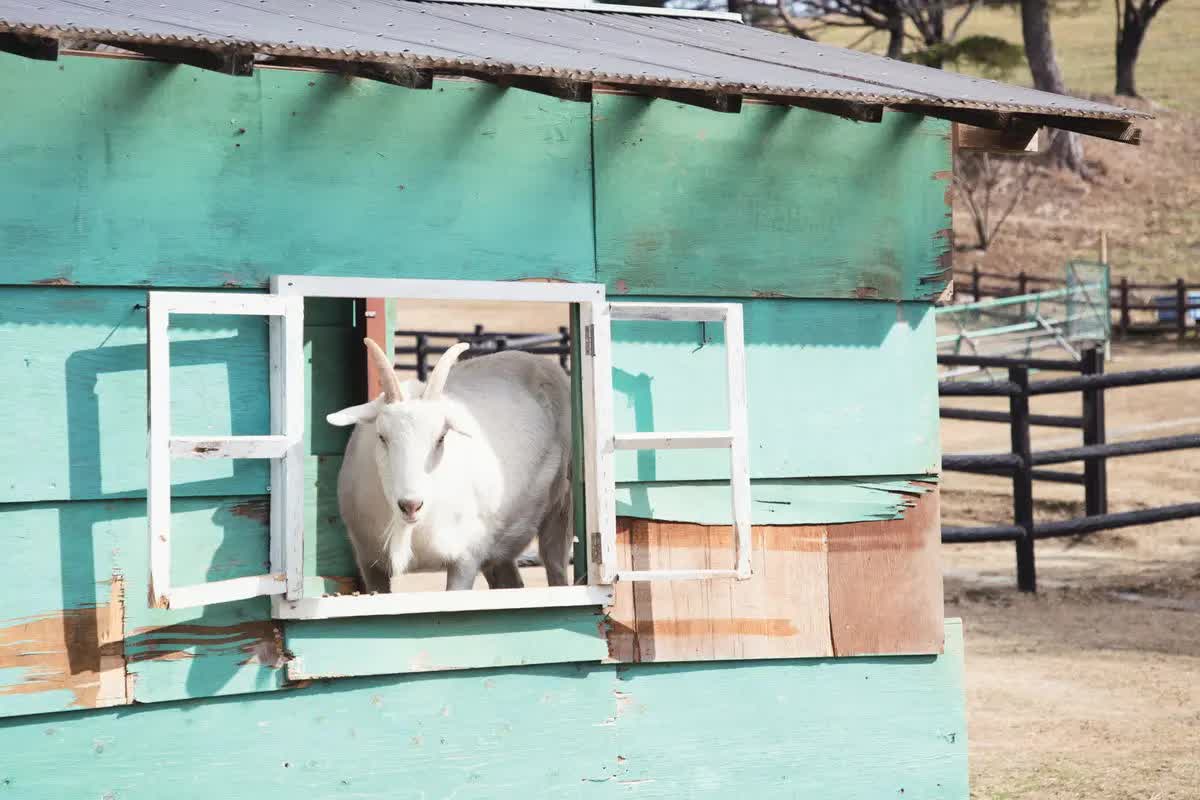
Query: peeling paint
[(261, 642), (258, 510), (56, 281), (79, 650)]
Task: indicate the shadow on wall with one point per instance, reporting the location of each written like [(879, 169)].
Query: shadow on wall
[(220, 516)]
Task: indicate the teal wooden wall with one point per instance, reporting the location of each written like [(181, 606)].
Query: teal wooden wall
[(123, 175), (850, 729)]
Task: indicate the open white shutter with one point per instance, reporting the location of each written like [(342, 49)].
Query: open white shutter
[(284, 446), (601, 443)]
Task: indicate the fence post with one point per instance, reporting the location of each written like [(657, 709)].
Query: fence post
[(1124, 328), (1181, 305), (975, 283), (1018, 409), (1022, 283), (421, 349), (1095, 470), (564, 341)]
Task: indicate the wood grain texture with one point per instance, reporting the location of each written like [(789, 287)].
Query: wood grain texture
[(854, 728), (440, 642), (885, 583), (780, 612), (769, 202), (836, 388), (124, 172), (852, 589)]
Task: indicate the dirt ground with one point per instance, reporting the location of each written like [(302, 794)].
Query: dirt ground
[(1091, 689)]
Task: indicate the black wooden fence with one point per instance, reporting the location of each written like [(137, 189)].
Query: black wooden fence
[(1025, 465), (434, 343), (1176, 304)]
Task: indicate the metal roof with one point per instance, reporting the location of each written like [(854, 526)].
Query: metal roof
[(624, 46)]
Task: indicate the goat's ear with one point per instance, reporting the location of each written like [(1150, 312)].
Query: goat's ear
[(367, 412)]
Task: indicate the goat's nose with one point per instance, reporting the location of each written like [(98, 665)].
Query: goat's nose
[(411, 507)]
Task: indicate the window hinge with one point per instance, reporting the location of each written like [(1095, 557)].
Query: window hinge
[(589, 340)]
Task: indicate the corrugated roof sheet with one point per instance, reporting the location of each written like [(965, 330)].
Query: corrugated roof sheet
[(604, 44)]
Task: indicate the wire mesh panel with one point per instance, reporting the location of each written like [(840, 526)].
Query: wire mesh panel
[(1063, 320)]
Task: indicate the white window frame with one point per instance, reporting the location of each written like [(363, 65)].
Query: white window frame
[(735, 438), (285, 582), (284, 446)]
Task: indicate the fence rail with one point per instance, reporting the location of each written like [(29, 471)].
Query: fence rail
[(1176, 303), (1022, 463), (434, 343)]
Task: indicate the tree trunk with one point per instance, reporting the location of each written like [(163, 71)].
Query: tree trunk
[(1129, 44), (1066, 150), (895, 48)]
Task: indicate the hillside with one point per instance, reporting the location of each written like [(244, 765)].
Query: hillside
[(1144, 197)]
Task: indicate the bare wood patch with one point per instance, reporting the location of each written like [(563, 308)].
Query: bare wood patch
[(80, 650), (781, 612), (261, 643), (885, 584)]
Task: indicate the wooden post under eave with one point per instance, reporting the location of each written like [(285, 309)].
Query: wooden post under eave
[(376, 313)]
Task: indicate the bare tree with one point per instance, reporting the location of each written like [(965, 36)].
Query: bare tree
[(1066, 149), (990, 188), (1133, 18)]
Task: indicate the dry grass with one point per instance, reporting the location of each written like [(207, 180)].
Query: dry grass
[(1144, 197)]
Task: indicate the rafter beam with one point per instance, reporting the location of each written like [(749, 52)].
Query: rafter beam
[(39, 48), (1018, 139), (847, 109), (977, 118), (725, 102), (563, 89), (385, 72), (239, 63), (1117, 130)]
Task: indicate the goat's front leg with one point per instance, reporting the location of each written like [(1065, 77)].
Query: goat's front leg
[(460, 575)]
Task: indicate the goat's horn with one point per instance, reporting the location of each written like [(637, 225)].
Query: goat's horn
[(441, 370), (392, 393)]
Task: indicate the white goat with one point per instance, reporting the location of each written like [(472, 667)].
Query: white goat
[(461, 472)]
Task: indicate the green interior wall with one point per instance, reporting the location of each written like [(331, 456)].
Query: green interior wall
[(127, 175), (846, 729)]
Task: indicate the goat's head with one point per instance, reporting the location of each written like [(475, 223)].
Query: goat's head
[(409, 431)]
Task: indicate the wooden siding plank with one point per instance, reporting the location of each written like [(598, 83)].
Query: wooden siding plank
[(438, 642), (60, 622), (75, 361), (124, 172), (770, 202), (797, 501), (852, 728), (885, 583), (781, 612), (530, 732), (836, 389), (758, 729)]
